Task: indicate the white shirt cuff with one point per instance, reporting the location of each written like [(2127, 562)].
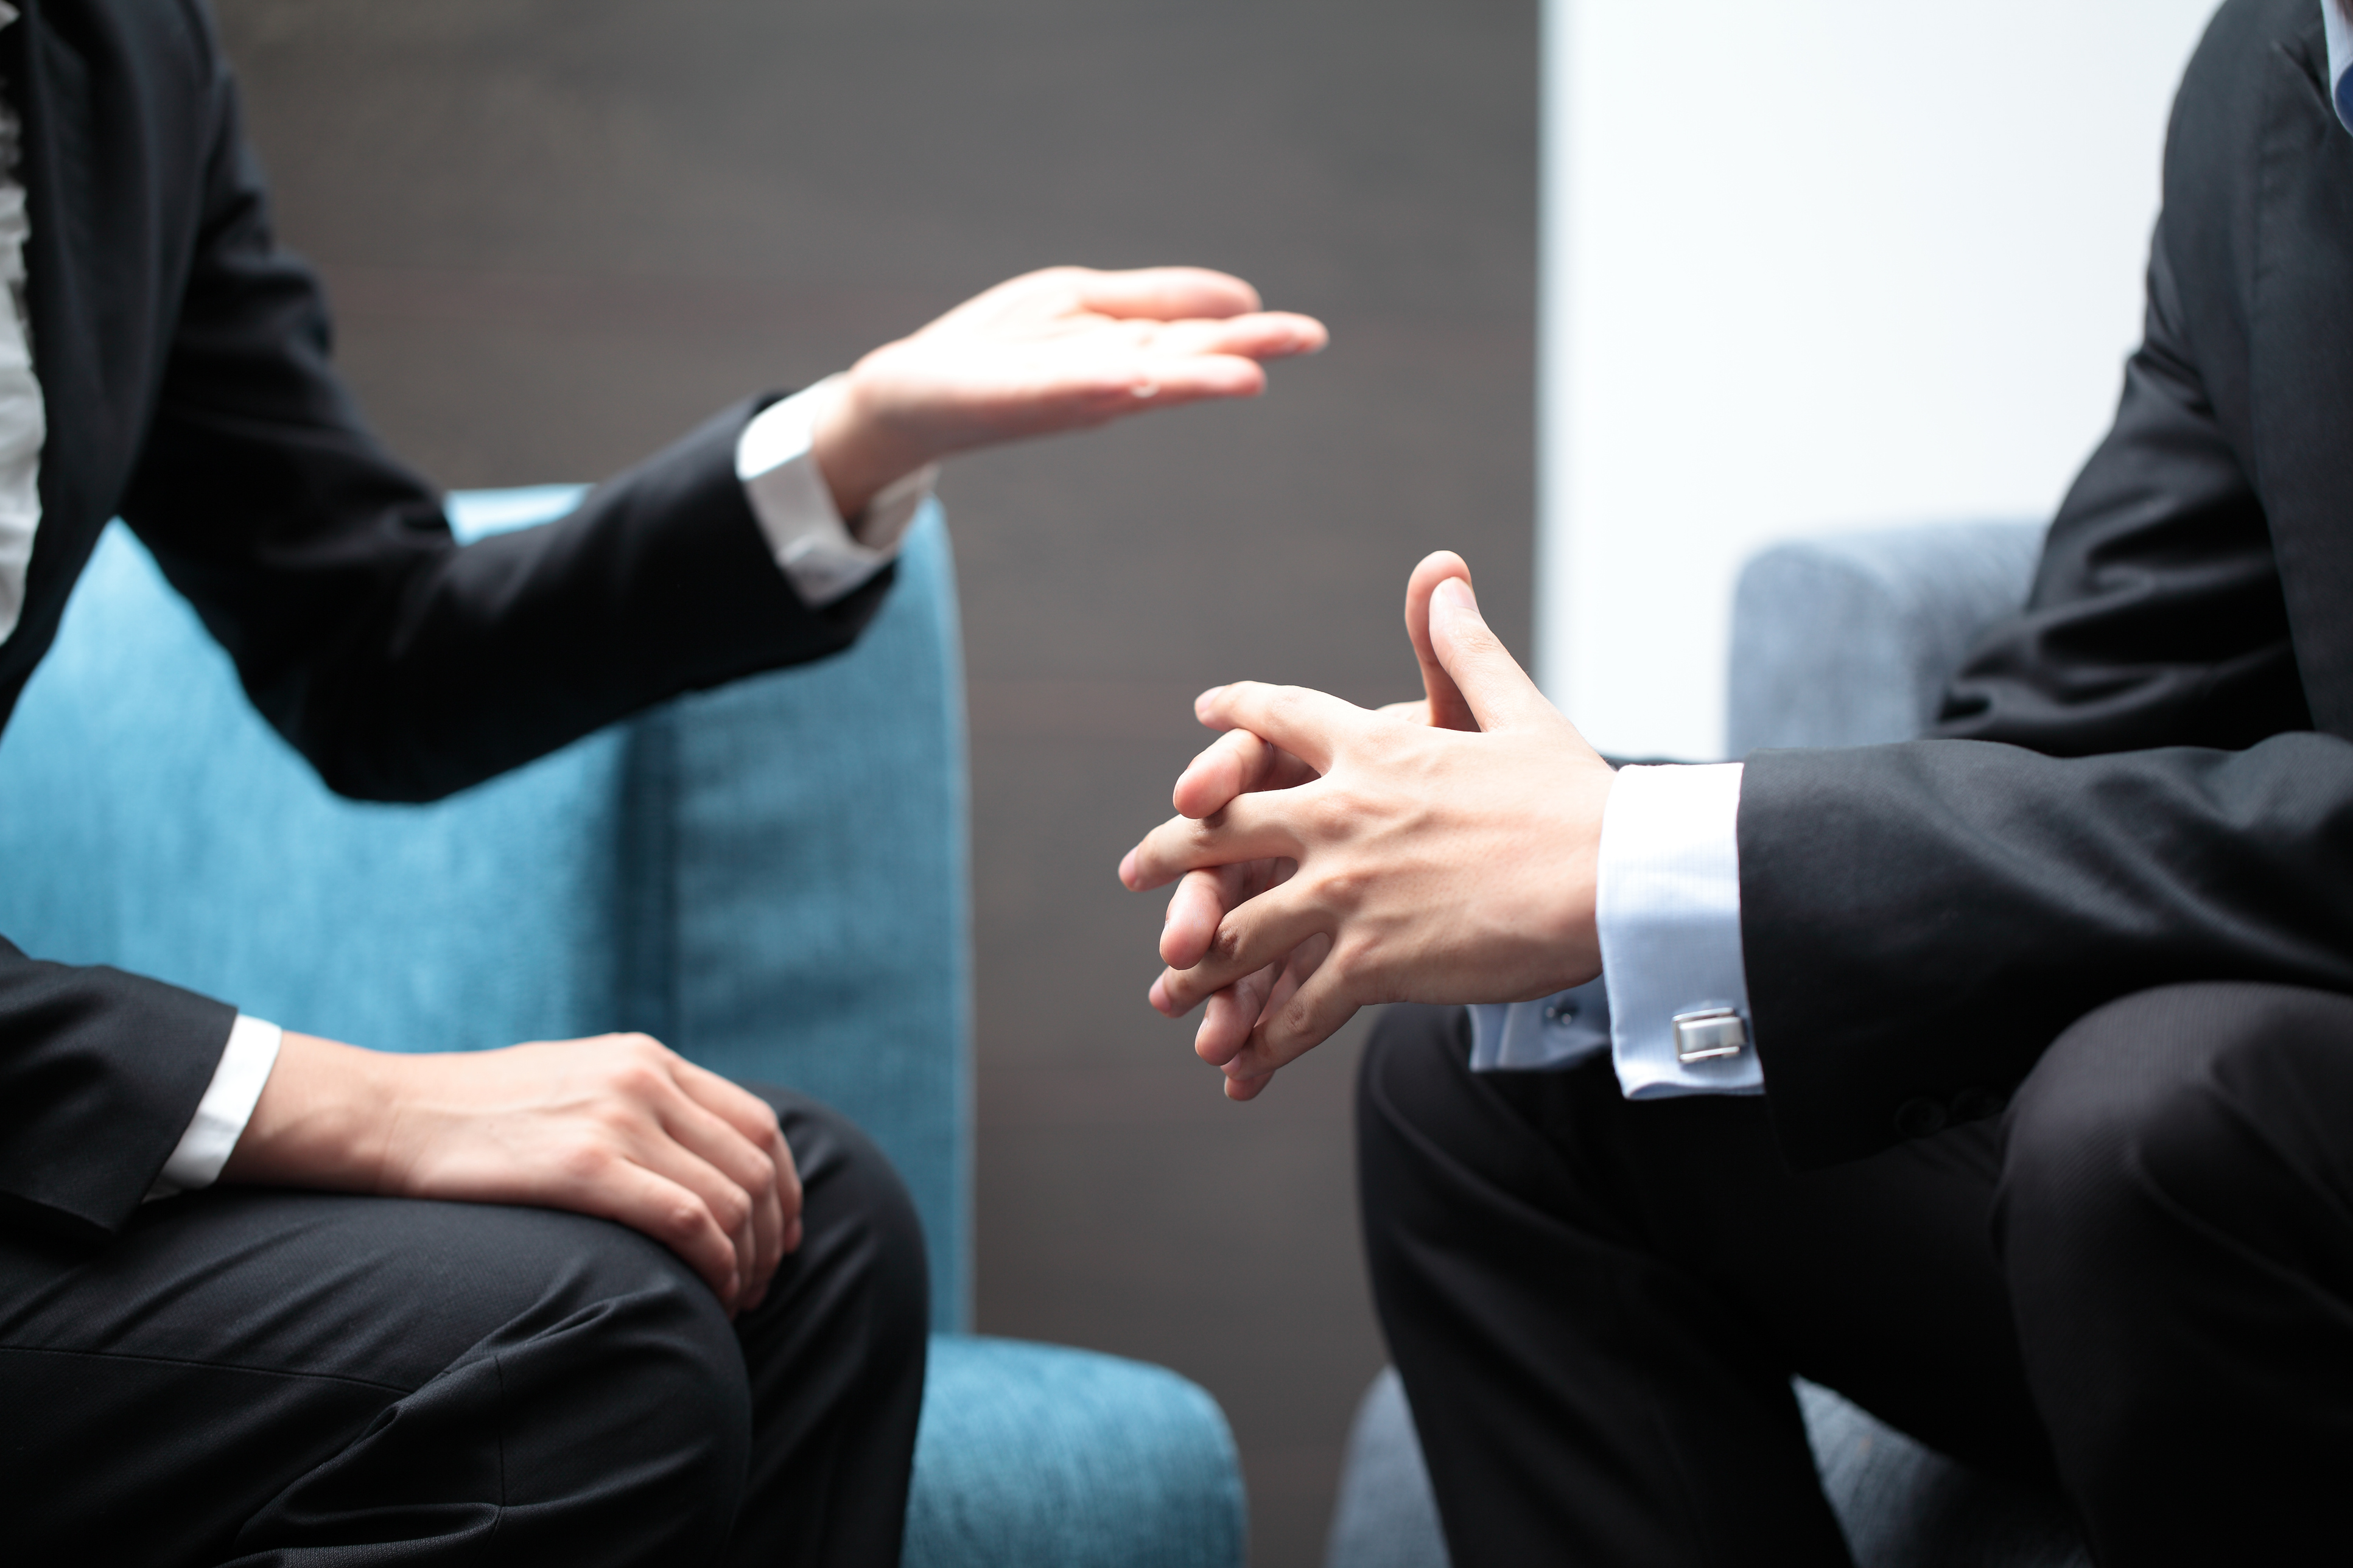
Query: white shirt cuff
[(1667, 909), (227, 1107), (824, 558)]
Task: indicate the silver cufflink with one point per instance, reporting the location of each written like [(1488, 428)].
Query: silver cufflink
[(1709, 1035)]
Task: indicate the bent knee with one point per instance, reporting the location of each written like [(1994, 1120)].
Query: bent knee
[(618, 1297), (858, 1213), (2183, 1095), (613, 1380)]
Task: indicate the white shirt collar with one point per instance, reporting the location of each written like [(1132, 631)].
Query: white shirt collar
[(2340, 59)]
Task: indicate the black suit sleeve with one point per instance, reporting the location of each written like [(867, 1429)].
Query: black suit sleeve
[(402, 666), (1919, 921), (2125, 793), (100, 1076)]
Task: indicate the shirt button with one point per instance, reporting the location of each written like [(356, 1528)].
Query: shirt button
[(1919, 1116), (1976, 1104)]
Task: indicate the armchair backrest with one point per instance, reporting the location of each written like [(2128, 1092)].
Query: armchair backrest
[(773, 877), (1848, 640)]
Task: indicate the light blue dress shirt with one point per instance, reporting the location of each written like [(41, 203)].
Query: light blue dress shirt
[(1667, 907)]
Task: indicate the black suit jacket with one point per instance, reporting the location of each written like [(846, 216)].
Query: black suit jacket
[(2147, 776), (184, 360)]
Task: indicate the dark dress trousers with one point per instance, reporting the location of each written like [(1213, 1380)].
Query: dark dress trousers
[(184, 361), (2054, 1164)]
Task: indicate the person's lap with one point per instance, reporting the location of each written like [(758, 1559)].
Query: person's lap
[(1642, 1279), (250, 1372), (1596, 1304)]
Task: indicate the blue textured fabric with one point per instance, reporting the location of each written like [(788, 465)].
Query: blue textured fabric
[(1386, 1516), (1036, 1455), (1906, 1506), (1848, 639), (149, 818)]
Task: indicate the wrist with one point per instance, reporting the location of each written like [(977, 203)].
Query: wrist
[(1598, 784), (1567, 850), (857, 450), (324, 1119)]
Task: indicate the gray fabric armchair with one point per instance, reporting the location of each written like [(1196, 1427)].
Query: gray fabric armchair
[(1842, 641)]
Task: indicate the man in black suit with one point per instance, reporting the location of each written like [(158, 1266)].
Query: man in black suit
[(209, 1348), (2003, 1080)]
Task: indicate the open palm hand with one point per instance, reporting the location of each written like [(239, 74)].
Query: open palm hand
[(1062, 349)]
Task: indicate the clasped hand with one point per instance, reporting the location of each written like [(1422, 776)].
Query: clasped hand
[(1328, 857), (619, 1127)]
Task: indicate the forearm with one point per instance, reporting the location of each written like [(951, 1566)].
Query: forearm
[(660, 583), (1920, 920)]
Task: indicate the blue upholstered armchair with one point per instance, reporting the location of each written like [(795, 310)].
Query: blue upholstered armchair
[(770, 877), (1845, 640)]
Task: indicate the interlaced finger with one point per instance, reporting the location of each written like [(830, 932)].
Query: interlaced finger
[(1254, 827), (1291, 1025), (1202, 898), (1311, 725), (1260, 933), (1236, 763), (1227, 1020)]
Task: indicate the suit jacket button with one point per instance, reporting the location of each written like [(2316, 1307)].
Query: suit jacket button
[(1976, 1104), (1919, 1116)]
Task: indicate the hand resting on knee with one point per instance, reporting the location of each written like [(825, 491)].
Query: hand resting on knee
[(619, 1127)]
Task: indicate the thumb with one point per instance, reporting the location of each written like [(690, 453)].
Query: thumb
[(1499, 691), (1446, 709)]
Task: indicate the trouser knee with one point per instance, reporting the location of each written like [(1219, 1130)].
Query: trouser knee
[(601, 1417), (2173, 1220), (860, 1221), (641, 1378), (2181, 1101)]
